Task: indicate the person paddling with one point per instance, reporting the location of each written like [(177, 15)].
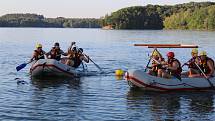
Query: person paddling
[(157, 59), (207, 64), (173, 67), (56, 52), (76, 57), (38, 53), (193, 69)]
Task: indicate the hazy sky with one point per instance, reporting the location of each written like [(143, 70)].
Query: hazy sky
[(76, 8)]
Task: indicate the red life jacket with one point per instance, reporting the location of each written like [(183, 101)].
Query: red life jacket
[(204, 66), (39, 55), (178, 70)]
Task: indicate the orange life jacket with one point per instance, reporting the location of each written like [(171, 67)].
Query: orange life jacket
[(203, 65), (39, 55)]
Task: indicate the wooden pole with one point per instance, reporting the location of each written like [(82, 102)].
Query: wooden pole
[(157, 44), (182, 46)]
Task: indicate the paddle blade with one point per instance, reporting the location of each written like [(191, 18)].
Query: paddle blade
[(18, 68)]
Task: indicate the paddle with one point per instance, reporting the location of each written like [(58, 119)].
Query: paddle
[(90, 60), (150, 59), (94, 63), (205, 76), (21, 66)]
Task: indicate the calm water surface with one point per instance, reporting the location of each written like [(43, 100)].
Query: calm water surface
[(96, 96)]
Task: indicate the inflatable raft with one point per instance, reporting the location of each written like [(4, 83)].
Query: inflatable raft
[(139, 78), (51, 68)]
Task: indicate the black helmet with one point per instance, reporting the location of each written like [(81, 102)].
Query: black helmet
[(81, 50), (56, 44)]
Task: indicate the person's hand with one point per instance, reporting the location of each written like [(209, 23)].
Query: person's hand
[(208, 77), (165, 66), (87, 56)]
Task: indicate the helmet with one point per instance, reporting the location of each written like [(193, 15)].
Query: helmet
[(81, 50), (156, 53), (195, 50), (170, 54), (56, 44), (203, 53), (38, 45)]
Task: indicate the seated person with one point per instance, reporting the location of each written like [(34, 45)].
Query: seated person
[(38, 53), (173, 67), (193, 69), (56, 52), (156, 63), (76, 57), (207, 64)]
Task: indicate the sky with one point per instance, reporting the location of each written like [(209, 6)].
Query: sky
[(77, 8)]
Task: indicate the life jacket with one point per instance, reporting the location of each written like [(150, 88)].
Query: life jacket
[(204, 66), (39, 55), (156, 67), (176, 72), (55, 54), (77, 60), (192, 63)]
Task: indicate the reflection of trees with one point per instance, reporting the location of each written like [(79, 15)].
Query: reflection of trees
[(170, 106), (165, 104), (53, 99), (201, 104), (159, 106)]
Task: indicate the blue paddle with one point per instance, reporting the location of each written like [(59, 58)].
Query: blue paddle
[(18, 68)]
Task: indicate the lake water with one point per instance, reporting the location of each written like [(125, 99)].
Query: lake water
[(97, 96)]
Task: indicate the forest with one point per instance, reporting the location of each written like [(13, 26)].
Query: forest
[(34, 20), (193, 15)]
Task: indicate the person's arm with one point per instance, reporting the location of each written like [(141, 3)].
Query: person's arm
[(174, 67), (85, 58), (47, 54), (33, 56), (63, 53), (210, 65)]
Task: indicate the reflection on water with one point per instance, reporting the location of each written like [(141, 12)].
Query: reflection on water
[(56, 82), (172, 106), (57, 97), (96, 96)]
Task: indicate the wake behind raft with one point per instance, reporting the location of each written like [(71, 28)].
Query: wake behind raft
[(145, 81)]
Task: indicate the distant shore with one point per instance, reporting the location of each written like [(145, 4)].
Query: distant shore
[(187, 16), (34, 20)]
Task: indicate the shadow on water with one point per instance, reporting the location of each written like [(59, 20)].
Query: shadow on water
[(171, 105)]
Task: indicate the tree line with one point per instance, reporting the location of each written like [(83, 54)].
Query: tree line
[(200, 19), (34, 20), (193, 15)]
